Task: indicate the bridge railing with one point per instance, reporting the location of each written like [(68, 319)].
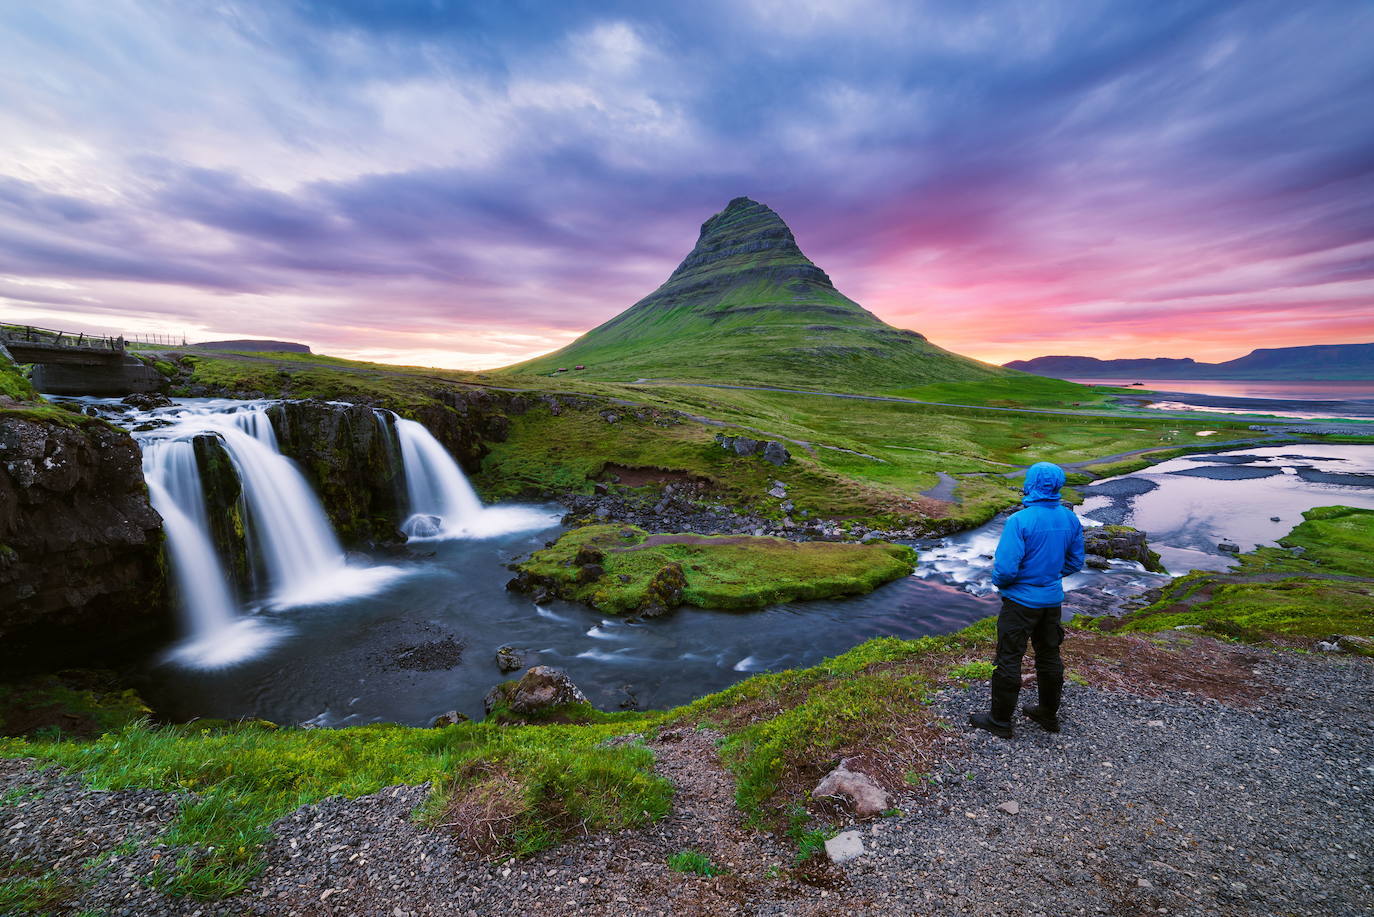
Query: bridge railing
[(32, 334)]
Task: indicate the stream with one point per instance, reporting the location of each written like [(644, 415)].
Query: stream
[(340, 638)]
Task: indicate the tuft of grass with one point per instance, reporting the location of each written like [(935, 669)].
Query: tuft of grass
[(693, 862), (972, 671), (26, 888)]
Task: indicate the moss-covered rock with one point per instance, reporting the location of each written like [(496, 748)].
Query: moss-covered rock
[(1123, 543), (348, 454), (82, 573), (224, 508), (625, 570)]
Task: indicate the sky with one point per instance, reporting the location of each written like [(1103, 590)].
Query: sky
[(471, 184)]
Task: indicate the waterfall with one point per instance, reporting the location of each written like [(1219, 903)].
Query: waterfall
[(216, 635), (442, 504), (305, 564)]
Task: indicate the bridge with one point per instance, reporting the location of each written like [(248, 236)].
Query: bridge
[(67, 363)]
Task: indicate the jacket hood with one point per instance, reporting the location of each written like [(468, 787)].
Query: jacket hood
[(1043, 481)]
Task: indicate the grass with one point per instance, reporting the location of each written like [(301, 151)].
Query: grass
[(27, 888), (74, 703), (693, 862), (549, 781), (633, 571), (972, 671), (1333, 541)]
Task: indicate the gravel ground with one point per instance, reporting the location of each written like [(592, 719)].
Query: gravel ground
[(1174, 805)]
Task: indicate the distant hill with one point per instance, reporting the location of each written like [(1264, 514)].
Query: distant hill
[(1323, 362), (254, 346), (747, 306)]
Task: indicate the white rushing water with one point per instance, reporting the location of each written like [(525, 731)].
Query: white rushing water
[(302, 562), (442, 504)]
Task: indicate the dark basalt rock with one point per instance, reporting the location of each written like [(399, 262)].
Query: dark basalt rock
[(1121, 542), (348, 453), (82, 575), (223, 493)]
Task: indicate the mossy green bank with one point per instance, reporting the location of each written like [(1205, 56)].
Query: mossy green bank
[(623, 569)]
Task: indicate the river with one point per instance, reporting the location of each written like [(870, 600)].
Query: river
[(417, 632)]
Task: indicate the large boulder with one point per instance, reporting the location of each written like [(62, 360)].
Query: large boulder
[(541, 690), (82, 576), (1121, 542), (860, 791), (348, 452)]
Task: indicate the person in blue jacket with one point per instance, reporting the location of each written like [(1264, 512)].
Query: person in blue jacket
[(1041, 544)]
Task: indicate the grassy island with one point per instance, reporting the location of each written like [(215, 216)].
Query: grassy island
[(622, 569)]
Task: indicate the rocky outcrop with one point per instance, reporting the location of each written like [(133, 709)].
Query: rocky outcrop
[(349, 455), (773, 452), (1120, 542), (542, 691), (82, 578), (223, 493)]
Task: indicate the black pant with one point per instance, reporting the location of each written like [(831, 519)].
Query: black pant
[(1015, 625)]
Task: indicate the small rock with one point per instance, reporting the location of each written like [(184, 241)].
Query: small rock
[(1011, 807), (452, 718), (1228, 547), (844, 847), (863, 793), (1155, 723), (1274, 519), (1144, 883), (508, 659)]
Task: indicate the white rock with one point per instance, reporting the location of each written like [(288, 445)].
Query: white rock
[(864, 795), (844, 847)]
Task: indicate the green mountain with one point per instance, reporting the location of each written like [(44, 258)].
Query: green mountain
[(747, 306)]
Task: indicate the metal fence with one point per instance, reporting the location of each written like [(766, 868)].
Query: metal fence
[(32, 334)]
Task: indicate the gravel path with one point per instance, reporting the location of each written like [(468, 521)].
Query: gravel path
[(1172, 804)]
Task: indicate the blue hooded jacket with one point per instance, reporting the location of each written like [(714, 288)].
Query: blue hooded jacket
[(1041, 544)]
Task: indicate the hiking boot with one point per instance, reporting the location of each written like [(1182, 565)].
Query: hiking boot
[(983, 721), (1048, 721)]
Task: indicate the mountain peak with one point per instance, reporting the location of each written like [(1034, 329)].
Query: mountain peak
[(747, 304), (750, 231)]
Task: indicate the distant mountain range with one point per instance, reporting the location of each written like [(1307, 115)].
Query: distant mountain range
[(746, 306), (1316, 362)]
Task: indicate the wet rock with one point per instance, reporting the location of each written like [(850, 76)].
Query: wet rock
[(510, 659), (861, 791), (452, 718), (1097, 562), (541, 688), (147, 401), (81, 573), (1121, 542), (1228, 547)]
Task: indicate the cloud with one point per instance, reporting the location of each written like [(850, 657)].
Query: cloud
[(477, 179)]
